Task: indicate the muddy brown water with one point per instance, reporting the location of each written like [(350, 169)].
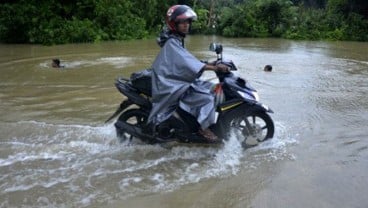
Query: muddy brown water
[(56, 150)]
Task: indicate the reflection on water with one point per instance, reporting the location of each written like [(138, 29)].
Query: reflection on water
[(56, 151)]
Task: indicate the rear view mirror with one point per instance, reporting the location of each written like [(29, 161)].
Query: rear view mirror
[(216, 48)]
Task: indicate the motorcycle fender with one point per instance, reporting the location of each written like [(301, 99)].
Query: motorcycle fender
[(243, 104), (229, 105), (260, 107), (123, 105), (133, 94)]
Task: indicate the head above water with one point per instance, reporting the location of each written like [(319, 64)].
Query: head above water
[(55, 63), (179, 19), (268, 68)]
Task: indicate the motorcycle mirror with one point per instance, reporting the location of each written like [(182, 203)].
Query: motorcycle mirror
[(216, 48)]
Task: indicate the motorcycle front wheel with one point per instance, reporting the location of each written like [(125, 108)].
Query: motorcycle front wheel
[(135, 117), (251, 128)]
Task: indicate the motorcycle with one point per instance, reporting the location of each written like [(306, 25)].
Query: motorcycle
[(237, 103)]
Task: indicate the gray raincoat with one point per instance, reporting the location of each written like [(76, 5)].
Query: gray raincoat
[(175, 83)]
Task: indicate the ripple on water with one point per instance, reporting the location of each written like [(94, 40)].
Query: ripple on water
[(76, 165), (117, 62)]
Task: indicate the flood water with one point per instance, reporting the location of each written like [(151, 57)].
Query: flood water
[(56, 150)]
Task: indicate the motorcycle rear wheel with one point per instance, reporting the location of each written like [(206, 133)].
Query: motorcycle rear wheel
[(135, 117), (251, 128)]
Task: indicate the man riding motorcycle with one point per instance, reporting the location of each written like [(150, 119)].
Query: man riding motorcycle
[(175, 76)]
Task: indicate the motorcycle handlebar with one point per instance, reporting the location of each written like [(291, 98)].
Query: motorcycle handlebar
[(229, 64)]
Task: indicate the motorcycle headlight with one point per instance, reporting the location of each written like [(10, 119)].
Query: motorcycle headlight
[(249, 95), (256, 96)]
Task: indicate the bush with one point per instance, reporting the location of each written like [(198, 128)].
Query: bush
[(13, 22), (356, 28), (49, 22), (57, 22), (262, 18)]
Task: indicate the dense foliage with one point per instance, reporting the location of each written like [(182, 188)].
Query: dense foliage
[(67, 21), (313, 20)]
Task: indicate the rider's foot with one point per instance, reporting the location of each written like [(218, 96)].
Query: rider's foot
[(208, 134)]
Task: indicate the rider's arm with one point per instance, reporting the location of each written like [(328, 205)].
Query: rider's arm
[(209, 67), (219, 67)]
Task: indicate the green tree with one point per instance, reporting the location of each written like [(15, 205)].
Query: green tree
[(274, 15), (261, 18), (201, 25), (65, 21), (117, 21)]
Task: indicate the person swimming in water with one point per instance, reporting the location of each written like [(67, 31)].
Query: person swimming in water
[(56, 63), (268, 68)]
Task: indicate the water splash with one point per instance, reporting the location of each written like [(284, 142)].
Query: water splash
[(86, 165), (117, 62)]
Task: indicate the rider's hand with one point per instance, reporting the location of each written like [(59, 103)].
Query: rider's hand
[(222, 68), (213, 63)]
